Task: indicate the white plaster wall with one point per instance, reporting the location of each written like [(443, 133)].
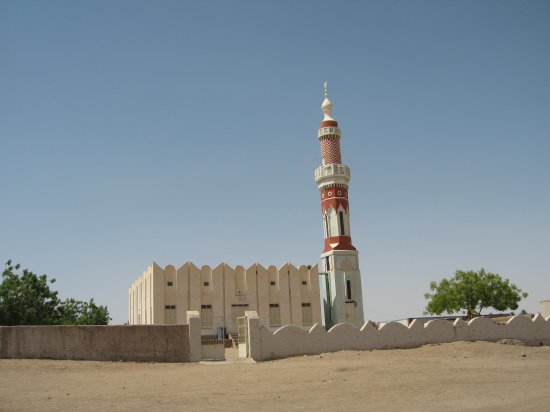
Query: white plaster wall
[(206, 291), (284, 298), (292, 341), (229, 279), (182, 293), (226, 286), (218, 295), (157, 298), (252, 287), (333, 222), (143, 304), (264, 287), (170, 291), (295, 295), (315, 294), (194, 288), (274, 291), (545, 308), (240, 281)]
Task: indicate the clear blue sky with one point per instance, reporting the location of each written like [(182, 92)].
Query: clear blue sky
[(133, 131)]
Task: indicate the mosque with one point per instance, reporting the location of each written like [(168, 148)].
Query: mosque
[(289, 295)]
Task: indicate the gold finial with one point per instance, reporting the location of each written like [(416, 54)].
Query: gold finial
[(326, 89)]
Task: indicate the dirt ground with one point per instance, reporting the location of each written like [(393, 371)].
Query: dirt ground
[(460, 376)]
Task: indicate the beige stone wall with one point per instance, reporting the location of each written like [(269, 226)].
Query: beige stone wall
[(157, 343), (545, 308), (225, 293), (292, 341)]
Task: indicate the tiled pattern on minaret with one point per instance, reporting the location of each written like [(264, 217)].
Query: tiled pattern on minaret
[(330, 149)]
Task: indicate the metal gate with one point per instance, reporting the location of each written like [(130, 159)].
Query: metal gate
[(243, 337)]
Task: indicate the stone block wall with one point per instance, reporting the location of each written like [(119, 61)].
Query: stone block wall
[(150, 343)]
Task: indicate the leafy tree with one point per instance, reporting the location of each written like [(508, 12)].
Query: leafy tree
[(473, 291), (74, 312), (26, 299)]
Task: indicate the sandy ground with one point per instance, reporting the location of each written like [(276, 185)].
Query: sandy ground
[(461, 376)]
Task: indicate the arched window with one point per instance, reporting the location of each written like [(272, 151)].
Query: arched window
[(341, 221)]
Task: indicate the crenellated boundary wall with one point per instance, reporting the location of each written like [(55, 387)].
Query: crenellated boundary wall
[(182, 343), (264, 344)]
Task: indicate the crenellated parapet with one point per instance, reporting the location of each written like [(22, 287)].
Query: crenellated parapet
[(291, 341)]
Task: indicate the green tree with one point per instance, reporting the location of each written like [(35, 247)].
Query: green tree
[(75, 312), (473, 291), (26, 299)]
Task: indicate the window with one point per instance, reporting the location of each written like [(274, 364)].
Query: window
[(304, 282), (206, 283), (272, 283), (307, 316), (342, 230), (274, 315), (206, 317), (327, 233), (348, 289), (327, 263), (170, 283), (170, 315)]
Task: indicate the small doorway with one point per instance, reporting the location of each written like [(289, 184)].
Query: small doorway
[(237, 311), (242, 327)]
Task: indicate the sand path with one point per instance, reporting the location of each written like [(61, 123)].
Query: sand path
[(461, 376)]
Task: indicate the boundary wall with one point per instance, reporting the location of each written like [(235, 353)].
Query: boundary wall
[(292, 341), (147, 343)]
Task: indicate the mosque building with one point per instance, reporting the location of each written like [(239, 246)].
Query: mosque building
[(289, 295)]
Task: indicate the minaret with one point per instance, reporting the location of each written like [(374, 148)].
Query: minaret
[(339, 259)]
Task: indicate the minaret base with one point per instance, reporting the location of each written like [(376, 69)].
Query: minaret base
[(340, 284)]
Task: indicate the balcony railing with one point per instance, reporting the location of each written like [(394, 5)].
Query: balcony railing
[(332, 170)]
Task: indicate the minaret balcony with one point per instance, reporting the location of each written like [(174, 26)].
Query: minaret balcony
[(340, 173)]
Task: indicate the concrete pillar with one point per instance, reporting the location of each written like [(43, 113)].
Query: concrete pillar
[(218, 296), (294, 295), (194, 288), (182, 293), (263, 294), (254, 349), (194, 322), (315, 294), (156, 298), (284, 295), (251, 287)]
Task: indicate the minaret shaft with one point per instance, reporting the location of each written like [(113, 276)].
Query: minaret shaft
[(342, 283)]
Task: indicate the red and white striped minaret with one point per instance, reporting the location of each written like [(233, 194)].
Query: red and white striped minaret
[(340, 263)]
